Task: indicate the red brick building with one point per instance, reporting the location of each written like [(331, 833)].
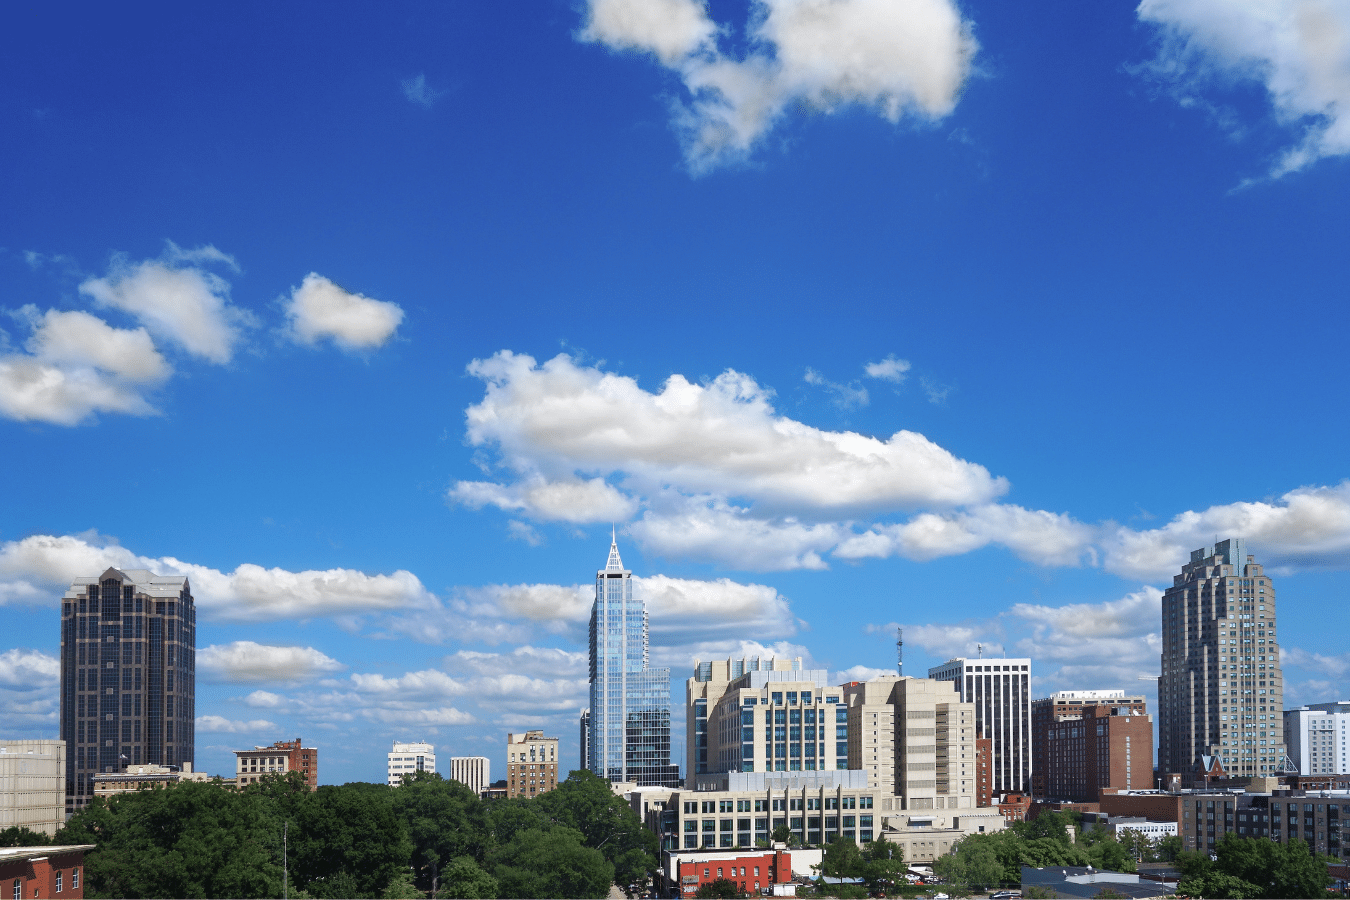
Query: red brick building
[(1070, 705), (751, 872), (1109, 747), (43, 872), (1013, 807), (984, 774)]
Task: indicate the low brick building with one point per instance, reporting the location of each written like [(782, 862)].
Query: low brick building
[(281, 757), (43, 871), (751, 871)]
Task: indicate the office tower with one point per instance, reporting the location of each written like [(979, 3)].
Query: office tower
[(629, 737), (128, 675), (1000, 690), (1099, 748), (1319, 737), (585, 744), (1070, 705), (531, 764), (406, 759), (762, 715), (1221, 694), (473, 771), (280, 758)]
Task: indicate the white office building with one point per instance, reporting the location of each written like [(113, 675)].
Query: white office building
[(1000, 689), (474, 771), (1318, 736), (33, 785), (406, 759)]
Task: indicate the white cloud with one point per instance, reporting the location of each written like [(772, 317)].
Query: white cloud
[(723, 438), (319, 310), (895, 57), (222, 725), (40, 568), (845, 396), (28, 670), (889, 369), (243, 661), (859, 673), (524, 660), (1045, 538), (1297, 50), (265, 700), (1334, 664), (78, 365), (176, 300), (709, 529), (417, 91), (567, 500)]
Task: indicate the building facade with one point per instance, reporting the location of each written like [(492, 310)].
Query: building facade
[(629, 735), (43, 871), (1221, 693), (405, 759), (685, 873), (531, 764), (143, 778), (1069, 705), (1000, 691), (1318, 736), (279, 758), (33, 785), (128, 675), (762, 715), (474, 771), (1102, 748)]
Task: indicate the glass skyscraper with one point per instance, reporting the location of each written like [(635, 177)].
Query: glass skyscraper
[(629, 722)]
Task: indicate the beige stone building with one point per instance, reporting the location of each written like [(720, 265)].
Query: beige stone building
[(474, 771), (278, 758), (144, 778), (33, 785), (531, 764)]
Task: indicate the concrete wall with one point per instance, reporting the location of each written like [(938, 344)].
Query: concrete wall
[(32, 785)]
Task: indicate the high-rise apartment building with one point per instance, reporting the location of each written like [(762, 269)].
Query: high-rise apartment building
[(1000, 690), (531, 764), (1221, 694), (1319, 737), (128, 675), (473, 771), (629, 737), (280, 758), (1046, 711), (405, 759), (762, 715)]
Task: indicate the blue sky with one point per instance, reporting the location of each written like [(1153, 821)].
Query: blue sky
[(970, 318)]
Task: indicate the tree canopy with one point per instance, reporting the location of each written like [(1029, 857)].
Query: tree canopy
[(200, 839), (1254, 867)]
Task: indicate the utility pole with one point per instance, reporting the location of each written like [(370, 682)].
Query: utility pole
[(285, 863)]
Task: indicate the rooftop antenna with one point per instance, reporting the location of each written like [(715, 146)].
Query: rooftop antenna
[(899, 651), (979, 650)]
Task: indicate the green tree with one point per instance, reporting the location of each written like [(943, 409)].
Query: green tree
[(445, 820), (553, 863), (842, 859), (19, 836), (403, 887), (883, 863), (1254, 867), (1168, 847), (784, 835), (586, 803), (463, 878), (347, 842), (722, 887)]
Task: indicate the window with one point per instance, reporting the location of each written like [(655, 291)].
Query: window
[(18, 889), (58, 881)]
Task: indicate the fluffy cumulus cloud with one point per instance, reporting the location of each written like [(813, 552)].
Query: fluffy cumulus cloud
[(320, 310), (895, 57), (888, 369), (29, 702), (244, 661), (39, 568), (1051, 539), (76, 365), (222, 725), (1297, 50), (583, 445), (178, 299)]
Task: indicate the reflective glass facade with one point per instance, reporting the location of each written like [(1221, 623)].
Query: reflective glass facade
[(629, 722)]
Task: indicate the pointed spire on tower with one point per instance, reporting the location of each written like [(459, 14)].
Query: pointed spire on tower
[(614, 564)]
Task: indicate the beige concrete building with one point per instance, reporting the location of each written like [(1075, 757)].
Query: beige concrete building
[(892, 758), (531, 764), (33, 785), (278, 758), (473, 771), (405, 759), (144, 778)]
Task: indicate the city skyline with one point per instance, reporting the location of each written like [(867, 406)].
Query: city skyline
[(371, 324)]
